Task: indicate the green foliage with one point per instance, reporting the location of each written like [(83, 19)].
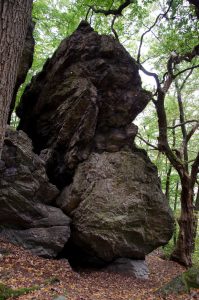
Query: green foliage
[(7, 292)]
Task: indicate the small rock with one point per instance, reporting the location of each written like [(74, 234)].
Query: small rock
[(135, 268)]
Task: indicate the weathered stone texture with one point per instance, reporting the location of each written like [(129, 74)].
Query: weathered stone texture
[(26, 216), (117, 206), (84, 99)]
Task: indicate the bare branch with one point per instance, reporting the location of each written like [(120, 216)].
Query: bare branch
[(87, 14), (149, 29), (183, 123), (176, 59), (191, 132), (186, 78), (147, 143), (154, 75), (113, 29), (187, 69), (115, 12)]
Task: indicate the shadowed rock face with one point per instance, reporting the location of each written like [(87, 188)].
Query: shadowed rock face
[(26, 217), (84, 100), (117, 206)]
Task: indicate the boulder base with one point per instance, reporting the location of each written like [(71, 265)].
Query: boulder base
[(117, 206)]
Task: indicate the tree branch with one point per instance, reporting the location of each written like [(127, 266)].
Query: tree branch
[(187, 69), (115, 12), (87, 14), (180, 124), (154, 75), (149, 29), (186, 78), (113, 29), (147, 143), (191, 132)]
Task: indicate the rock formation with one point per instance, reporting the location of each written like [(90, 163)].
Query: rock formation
[(26, 216), (83, 100), (78, 111)]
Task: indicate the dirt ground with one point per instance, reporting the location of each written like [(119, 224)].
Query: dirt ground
[(18, 268)]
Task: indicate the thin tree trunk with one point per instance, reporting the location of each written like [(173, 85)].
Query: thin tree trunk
[(168, 179), (167, 188), (174, 209), (196, 210), (183, 126), (184, 247), (14, 19)]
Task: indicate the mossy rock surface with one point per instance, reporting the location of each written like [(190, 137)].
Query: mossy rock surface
[(182, 283)]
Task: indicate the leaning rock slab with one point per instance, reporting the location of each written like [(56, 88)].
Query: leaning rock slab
[(117, 206), (26, 217), (84, 99)]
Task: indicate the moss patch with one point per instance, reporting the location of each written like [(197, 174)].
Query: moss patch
[(182, 283), (7, 292)]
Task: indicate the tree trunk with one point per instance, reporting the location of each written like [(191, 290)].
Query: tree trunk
[(174, 209), (184, 247), (14, 19), (196, 210)]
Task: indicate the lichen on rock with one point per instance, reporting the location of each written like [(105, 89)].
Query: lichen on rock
[(117, 206)]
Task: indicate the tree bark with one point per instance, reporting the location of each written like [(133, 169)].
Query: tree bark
[(14, 19), (196, 210), (174, 209), (183, 126), (184, 247), (167, 188)]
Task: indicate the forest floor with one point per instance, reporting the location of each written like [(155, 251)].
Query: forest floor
[(50, 278)]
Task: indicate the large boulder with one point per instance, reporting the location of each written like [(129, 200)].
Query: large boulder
[(26, 217), (84, 100), (117, 206)]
